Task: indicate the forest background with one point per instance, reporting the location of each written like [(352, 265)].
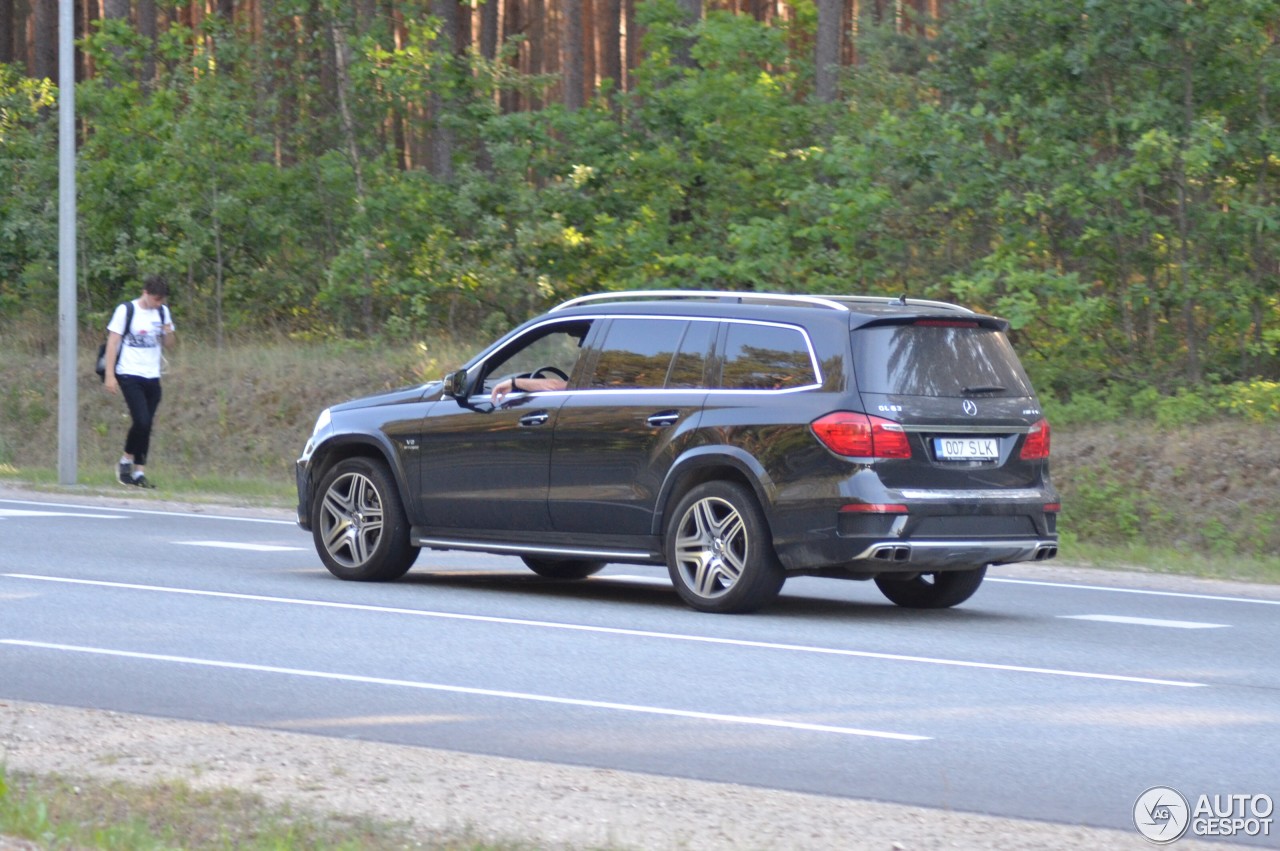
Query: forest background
[(344, 177)]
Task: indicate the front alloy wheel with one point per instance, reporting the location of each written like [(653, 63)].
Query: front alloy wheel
[(719, 552), (358, 523)]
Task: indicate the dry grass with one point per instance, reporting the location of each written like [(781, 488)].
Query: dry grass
[(232, 418)]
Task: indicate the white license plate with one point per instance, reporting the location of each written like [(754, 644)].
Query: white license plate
[(966, 448)]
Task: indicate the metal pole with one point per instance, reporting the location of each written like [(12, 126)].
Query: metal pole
[(68, 399)]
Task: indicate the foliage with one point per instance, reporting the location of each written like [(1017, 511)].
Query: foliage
[(1104, 175)]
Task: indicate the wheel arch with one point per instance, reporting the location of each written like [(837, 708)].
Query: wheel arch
[(712, 463), (343, 446)]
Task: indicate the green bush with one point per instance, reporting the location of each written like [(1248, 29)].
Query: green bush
[(1258, 400)]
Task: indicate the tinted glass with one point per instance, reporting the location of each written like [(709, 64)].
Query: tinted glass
[(691, 359), (766, 357), (930, 360), (637, 353)]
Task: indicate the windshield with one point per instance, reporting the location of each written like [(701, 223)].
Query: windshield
[(937, 359)]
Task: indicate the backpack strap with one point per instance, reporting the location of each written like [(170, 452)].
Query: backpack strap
[(128, 328)]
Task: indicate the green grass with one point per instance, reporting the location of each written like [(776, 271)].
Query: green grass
[(58, 813), (1172, 562), (182, 486)]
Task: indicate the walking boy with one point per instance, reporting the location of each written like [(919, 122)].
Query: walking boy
[(134, 358)]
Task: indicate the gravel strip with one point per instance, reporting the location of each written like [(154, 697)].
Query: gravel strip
[(493, 799)]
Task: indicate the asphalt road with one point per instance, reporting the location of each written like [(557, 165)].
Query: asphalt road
[(1039, 698)]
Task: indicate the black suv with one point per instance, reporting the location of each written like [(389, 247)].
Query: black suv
[(738, 438)]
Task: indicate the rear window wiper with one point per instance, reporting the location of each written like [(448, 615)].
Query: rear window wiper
[(983, 388)]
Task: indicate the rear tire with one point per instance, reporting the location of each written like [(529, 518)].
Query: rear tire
[(358, 523), (940, 590), (720, 552), (566, 568)]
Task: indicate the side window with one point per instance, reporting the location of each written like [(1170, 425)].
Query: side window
[(556, 345), (766, 357), (690, 362), (637, 353)]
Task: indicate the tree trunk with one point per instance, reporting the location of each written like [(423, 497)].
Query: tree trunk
[(117, 10), (148, 29), (827, 51), (573, 60), (281, 40), (512, 25), (611, 28), (489, 29), (8, 32), (1191, 331), (44, 64), (445, 46), (631, 50), (537, 11), (353, 149)]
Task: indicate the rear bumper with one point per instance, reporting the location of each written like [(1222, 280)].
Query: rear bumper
[(908, 555), (919, 530)]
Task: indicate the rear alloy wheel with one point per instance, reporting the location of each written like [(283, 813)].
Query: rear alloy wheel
[(358, 523), (932, 590), (563, 568), (719, 550)]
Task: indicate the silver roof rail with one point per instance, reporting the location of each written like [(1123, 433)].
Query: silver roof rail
[(762, 298), (833, 302), (911, 302)]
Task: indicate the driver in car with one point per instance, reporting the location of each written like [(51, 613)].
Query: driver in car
[(525, 385)]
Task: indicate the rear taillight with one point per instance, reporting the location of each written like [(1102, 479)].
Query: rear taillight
[(861, 435), (1036, 446)]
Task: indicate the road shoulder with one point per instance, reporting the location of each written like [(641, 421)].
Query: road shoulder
[(494, 798)]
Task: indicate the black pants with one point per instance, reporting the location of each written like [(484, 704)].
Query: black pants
[(142, 395)]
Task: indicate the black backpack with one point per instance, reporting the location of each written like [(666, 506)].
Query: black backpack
[(101, 367)]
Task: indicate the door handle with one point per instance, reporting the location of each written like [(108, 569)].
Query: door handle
[(535, 419), (663, 419)]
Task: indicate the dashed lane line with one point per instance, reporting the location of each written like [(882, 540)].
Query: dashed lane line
[(638, 633), (236, 545), (720, 718), (1134, 621)]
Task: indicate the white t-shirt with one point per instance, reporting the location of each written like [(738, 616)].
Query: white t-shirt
[(140, 345)]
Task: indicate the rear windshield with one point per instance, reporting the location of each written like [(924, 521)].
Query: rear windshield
[(937, 360)]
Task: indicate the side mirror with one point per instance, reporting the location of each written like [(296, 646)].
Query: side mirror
[(455, 384)]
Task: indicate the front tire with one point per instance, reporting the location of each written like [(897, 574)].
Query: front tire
[(358, 523), (567, 568), (720, 552), (932, 590)]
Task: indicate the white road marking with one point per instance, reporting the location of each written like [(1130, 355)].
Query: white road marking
[(1183, 595), (634, 579), (153, 512), (235, 545), (1146, 621), (481, 692), (670, 636), (18, 512)]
